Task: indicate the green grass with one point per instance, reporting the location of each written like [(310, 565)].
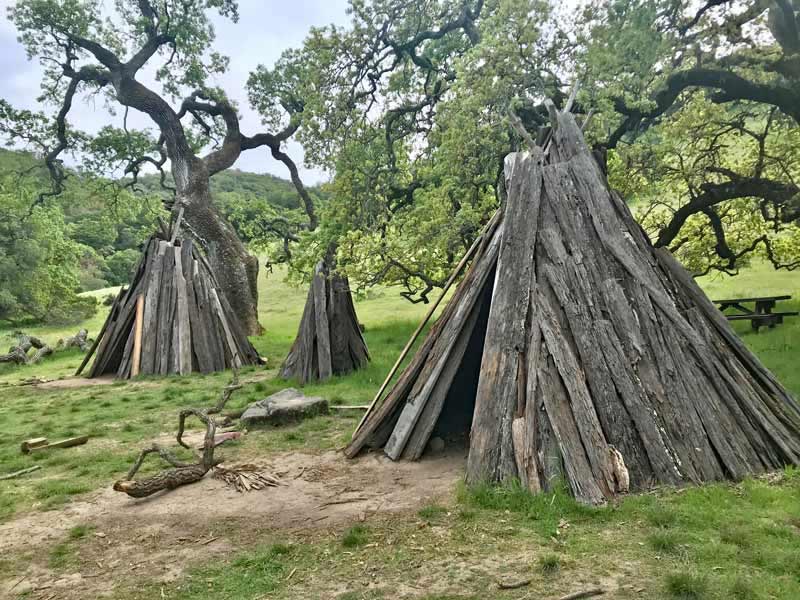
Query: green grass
[(356, 536), (549, 563), (715, 542)]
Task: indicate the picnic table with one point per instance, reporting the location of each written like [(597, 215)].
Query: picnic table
[(760, 315)]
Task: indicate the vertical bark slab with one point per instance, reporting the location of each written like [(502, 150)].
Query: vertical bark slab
[(322, 329), (184, 332), (491, 454)]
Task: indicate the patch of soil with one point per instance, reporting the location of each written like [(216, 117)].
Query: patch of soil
[(164, 533)]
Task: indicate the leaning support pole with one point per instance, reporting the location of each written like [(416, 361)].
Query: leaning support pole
[(137, 336)]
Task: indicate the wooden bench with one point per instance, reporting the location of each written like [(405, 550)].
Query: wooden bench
[(759, 316)]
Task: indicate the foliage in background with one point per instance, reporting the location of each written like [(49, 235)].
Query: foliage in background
[(699, 106), (39, 262)]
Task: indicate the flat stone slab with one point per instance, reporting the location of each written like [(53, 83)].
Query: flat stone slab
[(286, 406)]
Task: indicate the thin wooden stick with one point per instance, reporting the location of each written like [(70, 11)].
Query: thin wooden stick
[(584, 594), (415, 335), (21, 472), (137, 336)]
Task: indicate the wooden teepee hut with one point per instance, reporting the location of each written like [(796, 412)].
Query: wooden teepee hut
[(172, 319), (329, 340), (574, 350)]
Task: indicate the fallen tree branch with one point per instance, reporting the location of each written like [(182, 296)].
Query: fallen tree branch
[(79, 340), (513, 585), (241, 478), (19, 354), (182, 473)]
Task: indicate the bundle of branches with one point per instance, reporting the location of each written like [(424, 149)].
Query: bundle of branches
[(183, 473), (244, 478), (19, 353)]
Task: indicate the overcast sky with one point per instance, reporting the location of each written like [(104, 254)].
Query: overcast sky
[(265, 29)]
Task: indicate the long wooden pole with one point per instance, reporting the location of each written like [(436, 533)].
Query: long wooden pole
[(415, 335), (137, 336)]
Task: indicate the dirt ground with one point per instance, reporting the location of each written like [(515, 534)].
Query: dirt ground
[(164, 533)]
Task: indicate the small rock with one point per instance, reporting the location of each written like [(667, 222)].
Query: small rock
[(284, 407), (436, 444)]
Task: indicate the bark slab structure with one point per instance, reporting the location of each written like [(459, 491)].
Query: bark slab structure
[(329, 340), (173, 319), (574, 351)]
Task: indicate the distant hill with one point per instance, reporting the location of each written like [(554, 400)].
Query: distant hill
[(276, 191)]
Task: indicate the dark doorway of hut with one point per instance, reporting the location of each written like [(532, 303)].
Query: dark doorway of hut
[(455, 420)]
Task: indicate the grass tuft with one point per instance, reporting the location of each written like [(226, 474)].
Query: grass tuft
[(432, 511), (665, 541), (355, 537), (550, 563), (686, 586)]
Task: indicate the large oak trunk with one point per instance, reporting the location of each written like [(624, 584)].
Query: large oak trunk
[(329, 340), (235, 270)]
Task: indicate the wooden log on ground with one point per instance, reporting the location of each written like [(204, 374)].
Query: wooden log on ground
[(67, 443), (32, 443)]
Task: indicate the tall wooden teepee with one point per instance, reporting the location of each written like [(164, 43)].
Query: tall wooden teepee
[(172, 319), (574, 350)]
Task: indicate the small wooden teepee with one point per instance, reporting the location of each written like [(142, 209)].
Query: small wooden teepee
[(172, 319), (329, 340), (574, 350)]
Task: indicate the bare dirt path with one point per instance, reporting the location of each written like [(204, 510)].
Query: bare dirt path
[(163, 534)]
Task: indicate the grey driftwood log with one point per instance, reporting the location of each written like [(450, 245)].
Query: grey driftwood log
[(19, 352), (329, 340), (283, 407), (574, 350), (172, 319)]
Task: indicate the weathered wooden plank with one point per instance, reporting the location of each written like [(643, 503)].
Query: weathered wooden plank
[(136, 355), (166, 314), (236, 360), (322, 328), (576, 465), (491, 453), (184, 351), (151, 315)]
